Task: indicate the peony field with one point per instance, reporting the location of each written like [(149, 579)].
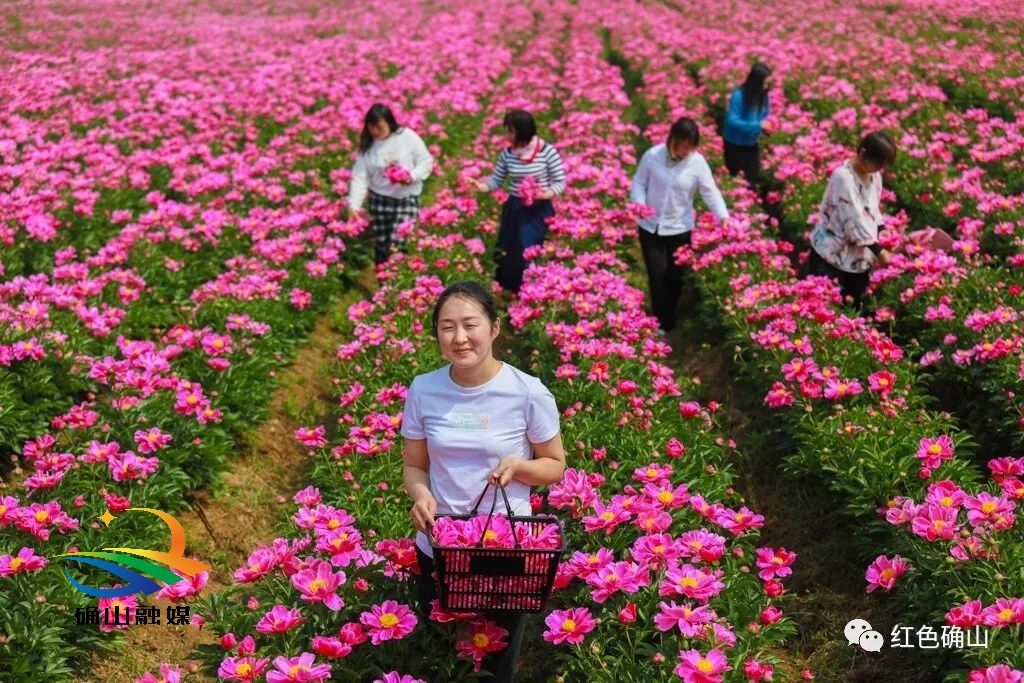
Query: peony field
[(783, 487)]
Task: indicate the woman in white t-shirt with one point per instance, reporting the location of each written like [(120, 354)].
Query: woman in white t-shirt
[(472, 422)]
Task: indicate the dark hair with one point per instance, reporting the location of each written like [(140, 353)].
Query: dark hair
[(467, 289), (684, 129), (522, 124), (755, 98), (378, 112), (877, 148)]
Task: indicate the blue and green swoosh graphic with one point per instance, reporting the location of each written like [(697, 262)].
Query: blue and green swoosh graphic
[(137, 559)]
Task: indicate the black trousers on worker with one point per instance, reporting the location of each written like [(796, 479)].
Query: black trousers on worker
[(501, 664), (664, 277), (521, 227), (745, 159), (850, 284)]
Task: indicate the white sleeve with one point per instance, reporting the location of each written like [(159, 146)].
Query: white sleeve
[(360, 182), (541, 415), (710, 192), (412, 419), (423, 162), (638, 193)]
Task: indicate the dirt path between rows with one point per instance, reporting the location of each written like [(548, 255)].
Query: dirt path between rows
[(254, 497)]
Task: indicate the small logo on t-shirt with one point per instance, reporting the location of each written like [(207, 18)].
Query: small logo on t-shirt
[(468, 420)]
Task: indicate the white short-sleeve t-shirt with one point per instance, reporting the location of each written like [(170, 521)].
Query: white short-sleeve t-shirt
[(470, 429)]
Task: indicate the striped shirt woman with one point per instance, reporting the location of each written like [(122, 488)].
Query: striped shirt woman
[(535, 174), (537, 160)]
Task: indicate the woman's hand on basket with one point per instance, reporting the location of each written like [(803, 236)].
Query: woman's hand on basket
[(504, 472), (423, 512)]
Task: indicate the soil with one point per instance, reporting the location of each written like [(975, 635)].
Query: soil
[(253, 498), (827, 587)]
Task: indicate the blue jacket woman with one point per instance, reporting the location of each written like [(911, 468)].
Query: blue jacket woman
[(748, 108)]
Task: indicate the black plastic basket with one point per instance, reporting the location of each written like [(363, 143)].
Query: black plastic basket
[(506, 580)]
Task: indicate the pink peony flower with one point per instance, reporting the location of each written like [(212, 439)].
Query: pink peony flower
[(395, 677), (25, 561), (320, 583), (243, 669), (774, 563), (883, 572), (388, 621), (397, 175), (151, 441), (279, 619), (168, 674), (570, 625), (482, 638), (694, 667), (299, 669), (186, 588)]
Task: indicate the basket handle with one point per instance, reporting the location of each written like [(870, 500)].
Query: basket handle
[(490, 515)]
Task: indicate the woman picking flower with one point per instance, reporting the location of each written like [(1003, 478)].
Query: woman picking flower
[(535, 172), (392, 164), (667, 178), (844, 242), (472, 422), (744, 123)]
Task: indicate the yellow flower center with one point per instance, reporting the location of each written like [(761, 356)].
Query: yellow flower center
[(593, 559), (481, 640), (988, 507), (42, 516), (317, 584), (934, 449), (705, 666), (946, 501), (608, 515), (666, 497), (1005, 614), (388, 620), (887, 574), (243, 669), (490, 535), (687, 582), (17, 562), (938, 524), (333, 524), (611, 578), (659, 549), (568, 625)]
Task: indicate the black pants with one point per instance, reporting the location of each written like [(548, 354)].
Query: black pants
[(501, 664), (745, 159), (850, 284), (664, 277), (521, 227)]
